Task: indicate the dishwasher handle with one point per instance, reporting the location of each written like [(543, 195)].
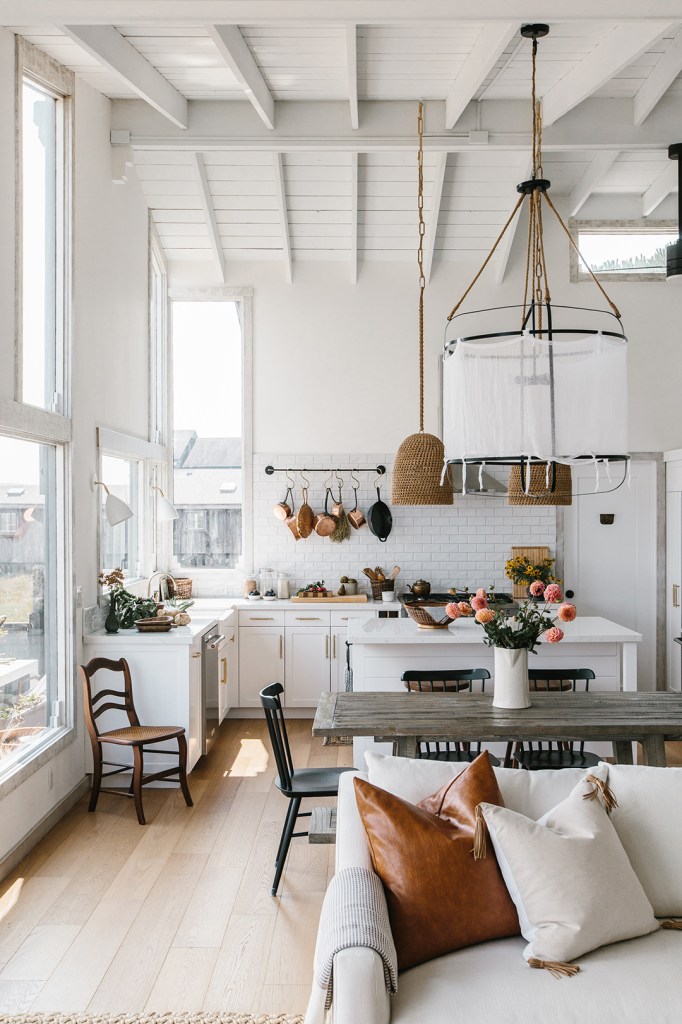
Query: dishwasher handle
[(215, 641)]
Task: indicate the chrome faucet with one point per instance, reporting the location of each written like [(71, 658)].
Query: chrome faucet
[(162, 576)]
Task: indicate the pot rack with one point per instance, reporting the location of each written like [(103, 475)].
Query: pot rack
[(537, 307), (377, 470)]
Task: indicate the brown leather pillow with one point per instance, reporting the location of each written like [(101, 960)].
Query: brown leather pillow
[(439, 898)]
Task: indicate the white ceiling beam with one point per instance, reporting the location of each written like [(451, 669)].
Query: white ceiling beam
[(664, 184), (488, 48), (432, 226), (209, 214), (284, 216), (111, 49), (659, 80), (274, 12), (354, 180), (352, 65), (239, 59), (594, 173), (506, 245), (621, 47)]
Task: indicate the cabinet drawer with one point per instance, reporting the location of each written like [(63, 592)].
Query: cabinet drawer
[(343, 617), (307, 617), (261, 617)]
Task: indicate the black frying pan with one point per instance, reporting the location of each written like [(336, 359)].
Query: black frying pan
[(379, 518)]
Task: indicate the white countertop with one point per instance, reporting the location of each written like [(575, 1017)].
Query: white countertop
[(182, 635), (585, 629)]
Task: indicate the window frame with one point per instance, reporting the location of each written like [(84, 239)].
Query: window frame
[(159, 355), (222, 577), (642, 225), (32, 63)]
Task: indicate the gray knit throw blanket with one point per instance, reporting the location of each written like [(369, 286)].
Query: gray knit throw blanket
[(354, 913)]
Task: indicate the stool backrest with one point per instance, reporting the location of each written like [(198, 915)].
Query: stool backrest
[(559, 679), (274, 716), (450, 680), (122, 700)]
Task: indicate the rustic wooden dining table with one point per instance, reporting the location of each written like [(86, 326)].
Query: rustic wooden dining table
[(406, 718)]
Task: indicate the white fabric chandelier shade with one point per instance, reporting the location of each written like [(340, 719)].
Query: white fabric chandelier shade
[(530, 397)]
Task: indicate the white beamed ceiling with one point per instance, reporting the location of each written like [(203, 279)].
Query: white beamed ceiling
[(394, 62)]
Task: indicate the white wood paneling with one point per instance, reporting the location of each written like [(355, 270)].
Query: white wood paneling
[(352, 66), (659, 78), (209, 213), (491, 43), (284, 217), (301, 62), (590, 180), (661, 188), (235, 52)]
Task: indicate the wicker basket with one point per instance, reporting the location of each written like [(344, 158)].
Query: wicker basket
[(378, 587), (423, 617), (180, 587), (538, 493)]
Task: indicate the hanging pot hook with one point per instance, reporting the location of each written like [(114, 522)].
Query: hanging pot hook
[(305, 482), (291, 481)]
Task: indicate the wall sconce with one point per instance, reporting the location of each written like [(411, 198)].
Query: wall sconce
[(115, 509), (165, 509)]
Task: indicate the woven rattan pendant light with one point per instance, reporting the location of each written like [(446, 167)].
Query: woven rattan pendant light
[(418, 463)]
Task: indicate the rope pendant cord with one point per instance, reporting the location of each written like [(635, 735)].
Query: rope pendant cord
[(536, 291), (420, 259)]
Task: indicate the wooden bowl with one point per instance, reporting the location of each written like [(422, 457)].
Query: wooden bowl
[(423, 617)]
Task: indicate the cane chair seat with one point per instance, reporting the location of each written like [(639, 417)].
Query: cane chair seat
[(141, 734)]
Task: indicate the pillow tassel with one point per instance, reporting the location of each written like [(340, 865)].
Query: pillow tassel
[(556, 968), (479, 851), (673, 926), (601, 788)]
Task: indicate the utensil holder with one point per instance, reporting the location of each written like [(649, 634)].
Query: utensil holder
[(182, 587), (378, 587)]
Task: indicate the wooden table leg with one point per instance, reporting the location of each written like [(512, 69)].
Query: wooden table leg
[(405, 746), (654, 751), (622, 752)]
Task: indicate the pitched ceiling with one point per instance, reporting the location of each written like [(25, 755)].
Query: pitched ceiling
[(293, 138)]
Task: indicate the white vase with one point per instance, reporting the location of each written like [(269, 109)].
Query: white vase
[(510, 688)]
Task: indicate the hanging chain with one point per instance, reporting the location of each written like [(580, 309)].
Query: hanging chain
[(420, 259)]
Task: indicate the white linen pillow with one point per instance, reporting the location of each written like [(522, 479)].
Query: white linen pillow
[(569, 877), (529, 793), (648, 820)]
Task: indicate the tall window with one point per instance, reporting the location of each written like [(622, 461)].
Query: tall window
[(44, 153), (32, 575), (207, 434), (158, 341)]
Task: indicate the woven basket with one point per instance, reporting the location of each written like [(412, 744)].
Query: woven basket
[(180, 587), (417, 470), (538, 493), (378, 586), (423, 617)]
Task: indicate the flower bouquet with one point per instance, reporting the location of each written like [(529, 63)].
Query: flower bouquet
[(512, 637)]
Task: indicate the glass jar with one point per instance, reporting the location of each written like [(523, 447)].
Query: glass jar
[(283, 590), (266, 580), (250, 583)]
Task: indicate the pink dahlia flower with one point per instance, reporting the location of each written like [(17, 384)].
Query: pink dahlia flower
[(553, 593), (554, 635), (478, 603), (465, 608), (484, 615), (481, 592), (452, 610), (567, 611), (537, 588)]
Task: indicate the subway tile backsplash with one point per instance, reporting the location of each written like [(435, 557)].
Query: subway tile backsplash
[(465, 544)]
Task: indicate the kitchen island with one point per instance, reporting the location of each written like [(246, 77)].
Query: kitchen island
[(385, 648)]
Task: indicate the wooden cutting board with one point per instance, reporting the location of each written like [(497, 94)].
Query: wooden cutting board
[(346, 599), (535, 555)]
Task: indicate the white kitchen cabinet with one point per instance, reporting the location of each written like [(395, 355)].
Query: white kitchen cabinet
[(306, 665), (338, 658), (261, 661), (228, 686), (673, 587)]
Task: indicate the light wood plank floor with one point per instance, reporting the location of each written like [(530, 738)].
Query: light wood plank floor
[(107, 916)]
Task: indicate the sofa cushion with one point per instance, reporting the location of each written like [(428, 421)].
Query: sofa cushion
[(569, 876), (529, 793), (439, 898), (629, 983), (648, 820)]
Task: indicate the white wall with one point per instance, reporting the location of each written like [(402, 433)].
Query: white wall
[(335, 364), (109, 362)]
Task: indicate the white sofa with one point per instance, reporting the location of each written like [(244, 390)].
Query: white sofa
[(626, 983)]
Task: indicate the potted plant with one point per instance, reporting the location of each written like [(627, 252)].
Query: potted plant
[(512, 637), (124, 607), (523, 572)]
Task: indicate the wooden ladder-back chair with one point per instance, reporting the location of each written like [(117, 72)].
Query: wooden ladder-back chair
[(447, 681), (133, 735), (551, 754), (294, 783)]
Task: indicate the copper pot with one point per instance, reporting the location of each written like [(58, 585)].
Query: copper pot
[(282, 510), (325, 524), (356, 518)]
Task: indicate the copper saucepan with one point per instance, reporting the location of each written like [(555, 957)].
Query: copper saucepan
[(325, 524), (356, 518), (282, 510)]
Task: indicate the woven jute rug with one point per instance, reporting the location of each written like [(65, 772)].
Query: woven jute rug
[(149, 1018)]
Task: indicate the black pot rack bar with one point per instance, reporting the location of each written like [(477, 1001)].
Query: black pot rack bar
[(377, 470)]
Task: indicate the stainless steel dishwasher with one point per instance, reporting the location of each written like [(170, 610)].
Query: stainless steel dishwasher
[(213, 644)]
